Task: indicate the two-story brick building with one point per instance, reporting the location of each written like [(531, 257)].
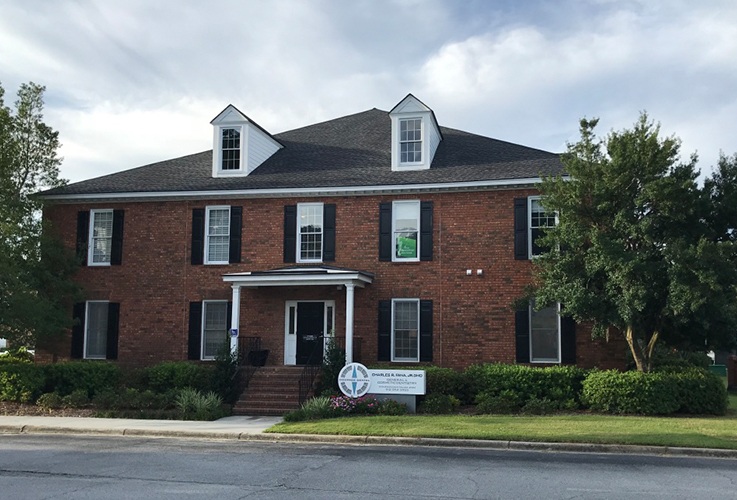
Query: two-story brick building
[(408, 240)]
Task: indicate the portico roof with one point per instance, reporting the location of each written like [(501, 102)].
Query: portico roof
[(301, 276)]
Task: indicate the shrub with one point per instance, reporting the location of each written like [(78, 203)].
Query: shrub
[(297, 415), (539, 406), (333, 362), (556, 383), (447, 381), (505, 402), (49, 401), (317, 408), (631, 392), (344, 405), (107, 399), (195, 405), (76, 399), (89, 376), (224, 372), (172, 375), (701, 392), (391, 407), (21, 382), (19, 355), (439, 404)]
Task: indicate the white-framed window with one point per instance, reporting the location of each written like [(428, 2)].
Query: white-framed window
[(545, 334), (406, 231), (405, 330), (410, 140), (214, 327), (100, 245), (95, 331), (217, 235), (309, 232), (230, 148), (538, 219)]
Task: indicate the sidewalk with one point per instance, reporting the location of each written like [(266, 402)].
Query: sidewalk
[(244, 428)]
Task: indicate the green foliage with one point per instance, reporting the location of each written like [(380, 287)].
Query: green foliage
[(50, 401), (89, 376), (195, 405), (438, 404), (316, 408), (640, 249), (447, 381), (133, 399), (20, 382), (224, 374), (522, 383), (177, 375), (501, 403), (701, 392), (333, 362), (36, 289), (391, 407), (539, 406), (631, 392), (76, 399), (20, 355)]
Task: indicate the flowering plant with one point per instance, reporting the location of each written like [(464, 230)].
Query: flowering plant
[(365, 405)]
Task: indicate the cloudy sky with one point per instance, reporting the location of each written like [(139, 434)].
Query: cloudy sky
[(130, 83)]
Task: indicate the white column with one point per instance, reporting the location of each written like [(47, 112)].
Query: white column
[(349, 322), (235, 318)]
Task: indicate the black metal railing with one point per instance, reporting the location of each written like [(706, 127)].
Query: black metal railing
[(250, 357), (311, 369)]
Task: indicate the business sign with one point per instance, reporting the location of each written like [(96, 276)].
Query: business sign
[(355, 380)]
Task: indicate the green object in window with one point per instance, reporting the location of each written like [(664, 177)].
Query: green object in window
[(406, 247)]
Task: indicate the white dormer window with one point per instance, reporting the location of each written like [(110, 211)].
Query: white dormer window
[(415, 135), (410, 140), (239, 145), (231, 148)]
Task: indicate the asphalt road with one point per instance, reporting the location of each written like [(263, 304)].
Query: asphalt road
[(49, 466)]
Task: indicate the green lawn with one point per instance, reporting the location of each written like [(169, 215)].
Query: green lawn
[(706, 432)]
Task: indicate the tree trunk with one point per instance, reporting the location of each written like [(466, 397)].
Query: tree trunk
[(643, 356)]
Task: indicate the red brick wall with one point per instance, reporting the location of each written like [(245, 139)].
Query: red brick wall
[(473, 317)]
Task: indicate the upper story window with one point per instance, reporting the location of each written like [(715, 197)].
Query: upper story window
[(217, 235), (410, 140), (231, 148), (101, 238), (405, 230), (310, 232), (539, 220)]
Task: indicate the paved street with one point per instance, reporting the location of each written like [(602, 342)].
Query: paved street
[(56, 466)]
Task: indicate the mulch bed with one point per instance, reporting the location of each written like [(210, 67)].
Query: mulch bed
[(15, 409)]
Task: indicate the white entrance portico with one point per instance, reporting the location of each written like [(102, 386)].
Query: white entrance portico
[(301, 276)]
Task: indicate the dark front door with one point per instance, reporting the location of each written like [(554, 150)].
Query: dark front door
[(310, 321)]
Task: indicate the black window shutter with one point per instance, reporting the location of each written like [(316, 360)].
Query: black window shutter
[(83, 234), (116, 252), (520, 229), (567, 340), (290, 233), (198, 236), (78, 330), (426, 230), (113, 322), (385, 330), (522, 335), (328, 234), (195, 330), (426, 330), (236, 226), (229, 319), (385, 231)]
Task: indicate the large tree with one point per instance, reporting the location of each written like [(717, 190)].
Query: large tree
[(640, 249), (34, 267)]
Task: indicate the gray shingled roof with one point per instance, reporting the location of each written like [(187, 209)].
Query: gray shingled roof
[(354, 150)]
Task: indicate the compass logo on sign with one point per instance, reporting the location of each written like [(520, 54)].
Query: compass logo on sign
[(354, 380)]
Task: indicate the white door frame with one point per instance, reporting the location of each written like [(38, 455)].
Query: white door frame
[(290, 326)]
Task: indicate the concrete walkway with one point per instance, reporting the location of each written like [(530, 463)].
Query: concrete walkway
[(252, 429)]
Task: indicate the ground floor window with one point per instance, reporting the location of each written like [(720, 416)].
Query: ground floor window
[(96, 325), (214, 328), (405, 329), (545, 334)]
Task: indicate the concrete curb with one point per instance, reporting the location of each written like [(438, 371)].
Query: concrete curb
[(377, 441)]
